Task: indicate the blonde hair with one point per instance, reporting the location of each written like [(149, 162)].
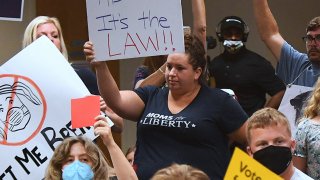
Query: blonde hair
[(312, 109), (30, 34), (264, 118), (61, 153), (180, 172)]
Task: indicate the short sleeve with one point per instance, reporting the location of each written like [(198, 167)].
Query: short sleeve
[(145, 92), (232, 115), (301, 140), (291, 63)]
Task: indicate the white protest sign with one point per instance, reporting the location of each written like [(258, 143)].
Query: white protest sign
[(292, 104), (121, 29), (36, 87)]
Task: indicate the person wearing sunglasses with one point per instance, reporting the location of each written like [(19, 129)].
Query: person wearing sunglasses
[(293, 66)]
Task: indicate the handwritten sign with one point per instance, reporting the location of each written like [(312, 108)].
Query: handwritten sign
[(122, 29), (36, 88), (244, 167)]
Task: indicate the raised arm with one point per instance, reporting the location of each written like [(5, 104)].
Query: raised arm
[(121, 165), (154, 79), (268, 27), (199, 20), (126, 104)]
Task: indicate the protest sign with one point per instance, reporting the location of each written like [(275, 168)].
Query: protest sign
[(125, 29), (36, 88), (292, 104), (244, 167)]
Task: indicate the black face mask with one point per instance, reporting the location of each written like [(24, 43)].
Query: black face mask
[(275, 158)]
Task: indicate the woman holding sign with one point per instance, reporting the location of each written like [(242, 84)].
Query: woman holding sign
[(79, 158), (186, 122)]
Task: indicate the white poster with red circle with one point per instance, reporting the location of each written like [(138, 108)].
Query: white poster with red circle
[(36, 87)]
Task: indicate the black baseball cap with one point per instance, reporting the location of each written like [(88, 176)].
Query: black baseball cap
[(232, 21)]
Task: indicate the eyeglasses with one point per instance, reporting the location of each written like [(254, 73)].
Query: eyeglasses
[(309, 38)]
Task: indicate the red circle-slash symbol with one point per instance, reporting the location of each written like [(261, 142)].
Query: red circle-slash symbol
[(22, 109)]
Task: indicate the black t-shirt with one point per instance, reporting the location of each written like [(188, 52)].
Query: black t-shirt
[(249, 75), (142, 72), (87, 76), (196, 136)]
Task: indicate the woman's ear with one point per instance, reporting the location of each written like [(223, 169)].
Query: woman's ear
[(198, 73)]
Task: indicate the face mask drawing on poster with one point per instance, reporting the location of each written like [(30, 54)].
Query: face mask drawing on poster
[(14, 113)]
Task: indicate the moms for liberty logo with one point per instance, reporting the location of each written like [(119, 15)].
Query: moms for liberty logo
[(167, 121)]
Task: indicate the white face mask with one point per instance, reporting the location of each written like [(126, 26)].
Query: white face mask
[(232, 46)]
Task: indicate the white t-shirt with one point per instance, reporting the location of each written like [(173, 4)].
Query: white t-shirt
[(299, 175)]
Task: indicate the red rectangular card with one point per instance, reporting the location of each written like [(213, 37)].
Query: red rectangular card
[(84, 110)]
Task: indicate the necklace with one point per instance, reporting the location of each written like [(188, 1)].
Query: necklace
[(290, 84)]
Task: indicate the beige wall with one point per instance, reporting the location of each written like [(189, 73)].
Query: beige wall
[(11, 32), (292, 16)]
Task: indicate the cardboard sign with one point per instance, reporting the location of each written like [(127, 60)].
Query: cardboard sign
[(36, 88), (127, 29), (244, 167)]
